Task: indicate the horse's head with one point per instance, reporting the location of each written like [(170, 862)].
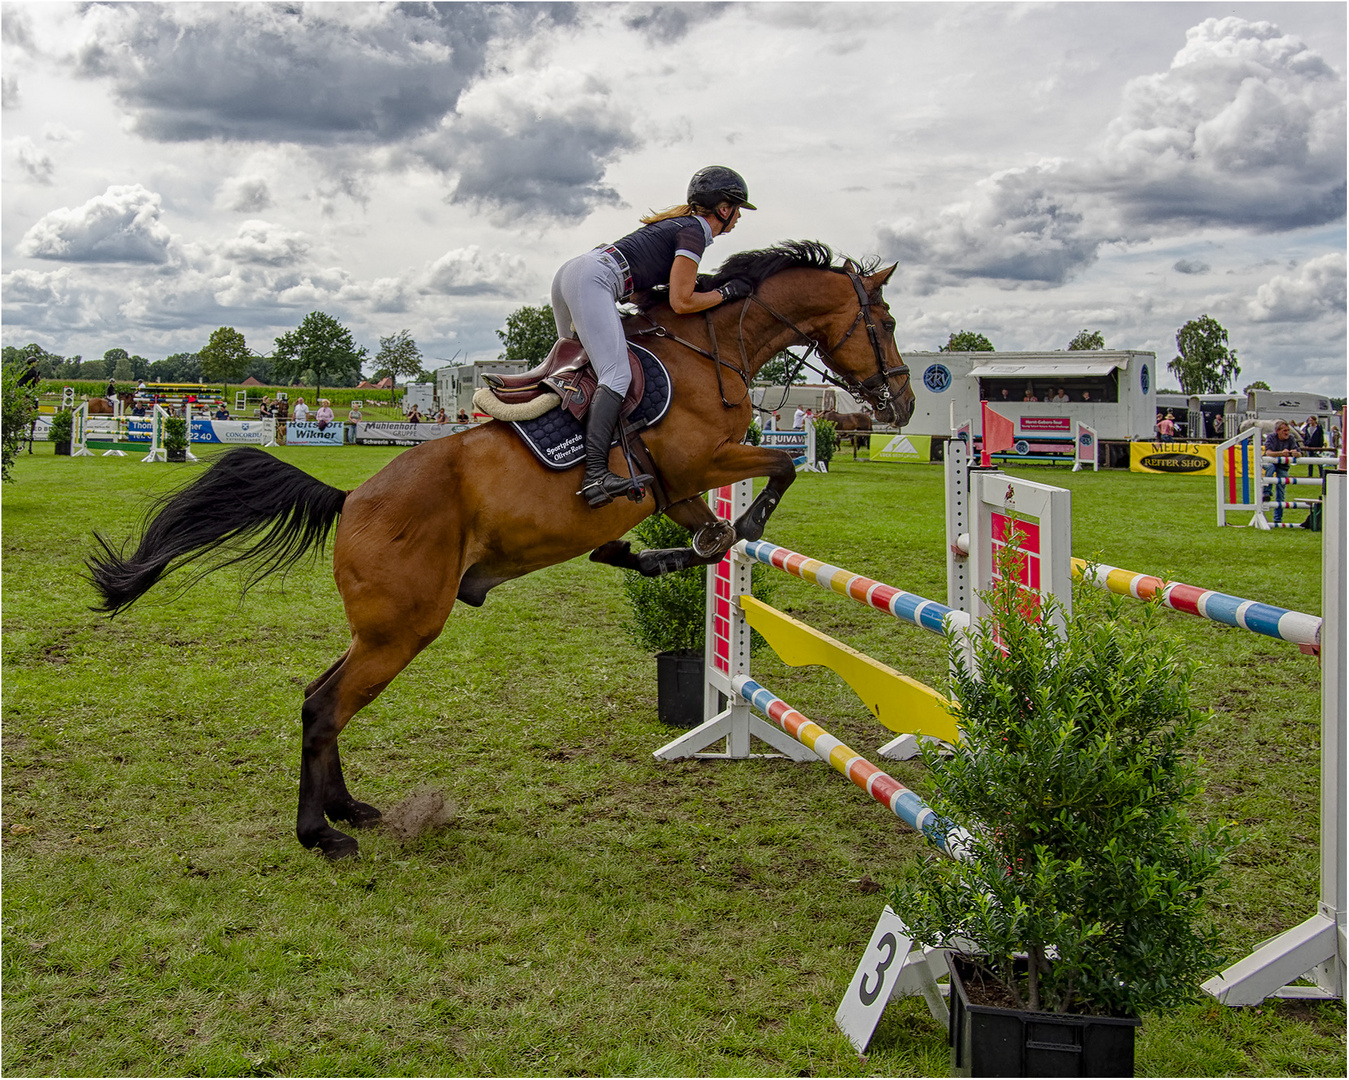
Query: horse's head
[(872, 366), (839, 310)]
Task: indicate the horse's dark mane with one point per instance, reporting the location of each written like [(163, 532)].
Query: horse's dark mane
[(756, 267)]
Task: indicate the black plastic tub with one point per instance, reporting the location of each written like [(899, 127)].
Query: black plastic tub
[(679, 687), (989, 1041)]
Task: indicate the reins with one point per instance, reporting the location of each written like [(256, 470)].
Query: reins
[(878, 384)]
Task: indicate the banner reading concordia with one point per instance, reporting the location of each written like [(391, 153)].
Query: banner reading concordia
[(901, 448), (1191, 459), (252, 432)]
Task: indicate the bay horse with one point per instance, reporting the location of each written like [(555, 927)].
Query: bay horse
[(102, 406), (401, 560), (856, 426)]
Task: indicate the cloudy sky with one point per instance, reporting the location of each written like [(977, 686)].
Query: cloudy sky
[(1035, 169)]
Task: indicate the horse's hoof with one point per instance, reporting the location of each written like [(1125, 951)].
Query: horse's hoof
[(339, 845), (333, 844), (358, 814), (613, 553)]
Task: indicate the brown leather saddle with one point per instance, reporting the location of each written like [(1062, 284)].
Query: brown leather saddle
[(566, 372)]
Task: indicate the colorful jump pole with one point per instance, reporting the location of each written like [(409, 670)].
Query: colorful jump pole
[(912, 608), (881, 786), (1275, 622)]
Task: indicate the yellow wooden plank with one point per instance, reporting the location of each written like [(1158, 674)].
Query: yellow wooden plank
[(902, 704)]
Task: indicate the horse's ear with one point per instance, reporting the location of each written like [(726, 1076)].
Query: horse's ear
[(851, 267), (880, 277)]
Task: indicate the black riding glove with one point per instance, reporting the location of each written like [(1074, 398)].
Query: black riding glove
[(735, 289)]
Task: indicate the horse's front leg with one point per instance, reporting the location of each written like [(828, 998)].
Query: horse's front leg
[(712, 537), (735, 463)]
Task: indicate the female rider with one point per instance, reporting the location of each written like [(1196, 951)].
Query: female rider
[(666, 250)]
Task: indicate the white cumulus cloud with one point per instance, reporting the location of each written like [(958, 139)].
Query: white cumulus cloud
[(121, 225), (1316, 289), (264, 242), (467, 271)]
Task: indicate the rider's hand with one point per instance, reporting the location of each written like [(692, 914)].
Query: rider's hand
[(735, 289)]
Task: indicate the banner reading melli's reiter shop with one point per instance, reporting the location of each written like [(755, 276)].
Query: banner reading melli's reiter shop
[(1190, 459)]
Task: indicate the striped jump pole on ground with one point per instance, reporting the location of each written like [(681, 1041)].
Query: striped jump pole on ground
[(881, 786), (912, 608), (1276, 622)]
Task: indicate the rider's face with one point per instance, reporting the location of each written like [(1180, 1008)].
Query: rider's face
[(728, 221)]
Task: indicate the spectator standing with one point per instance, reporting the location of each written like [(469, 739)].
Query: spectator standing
[(324, 414), (463, 417), (301, 411), (1280, 444), (1166, 428), (798, 419), (1313, 441)]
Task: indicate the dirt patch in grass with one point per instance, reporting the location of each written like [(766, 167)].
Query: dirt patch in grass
[(420, 813)]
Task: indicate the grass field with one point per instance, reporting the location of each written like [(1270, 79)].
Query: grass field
[(588, 910)]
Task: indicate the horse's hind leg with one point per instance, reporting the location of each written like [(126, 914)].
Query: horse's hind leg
[(351, 684)]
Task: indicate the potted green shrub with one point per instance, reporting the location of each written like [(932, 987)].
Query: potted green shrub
[(175, 438), (61, 430), (669, 619), (826, 441), (1081, 905)]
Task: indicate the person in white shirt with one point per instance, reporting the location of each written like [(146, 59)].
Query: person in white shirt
[(798, 419), (301, 411)]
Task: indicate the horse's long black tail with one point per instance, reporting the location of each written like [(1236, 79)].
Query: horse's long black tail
[(248, 503)]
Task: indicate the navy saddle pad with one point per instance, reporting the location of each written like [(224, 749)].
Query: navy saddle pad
[(558, 439)]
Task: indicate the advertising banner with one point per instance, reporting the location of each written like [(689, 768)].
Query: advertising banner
[(308, 433), (403, 433), (252, 432), (901, 448), (1048, 425), (1191, 459), (793, 441)]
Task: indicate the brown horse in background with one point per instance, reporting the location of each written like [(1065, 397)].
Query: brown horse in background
[(855, 426), (451, 518), (101, 406)]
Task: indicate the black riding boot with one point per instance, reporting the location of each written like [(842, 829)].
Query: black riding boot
[(600, 486)]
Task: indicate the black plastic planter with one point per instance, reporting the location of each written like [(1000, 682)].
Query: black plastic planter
[(679, 687), (63, 449), (989, 1041), (176, 454)]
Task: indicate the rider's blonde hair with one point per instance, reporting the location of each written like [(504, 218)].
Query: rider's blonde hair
[(682, 210)]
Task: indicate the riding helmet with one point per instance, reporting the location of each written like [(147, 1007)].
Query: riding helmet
[(716, 184)]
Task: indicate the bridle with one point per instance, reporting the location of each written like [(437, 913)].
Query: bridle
[(875, 387)]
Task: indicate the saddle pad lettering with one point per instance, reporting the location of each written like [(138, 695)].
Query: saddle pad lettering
[(558, 439)]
